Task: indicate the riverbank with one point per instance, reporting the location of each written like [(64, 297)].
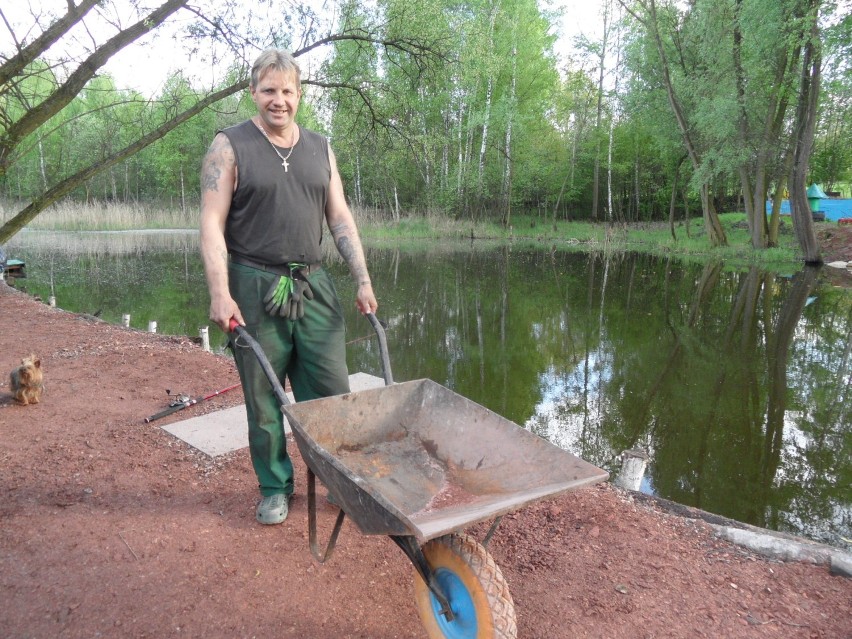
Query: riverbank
[(112, 527), (686, 241)]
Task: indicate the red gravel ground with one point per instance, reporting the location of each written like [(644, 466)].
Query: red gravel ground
[(110, 527), (836, 245)]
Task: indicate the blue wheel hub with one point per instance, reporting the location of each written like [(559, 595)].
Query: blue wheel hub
[(463, 625)]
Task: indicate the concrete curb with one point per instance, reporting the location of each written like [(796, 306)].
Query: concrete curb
[(786, 549), (769, 543)]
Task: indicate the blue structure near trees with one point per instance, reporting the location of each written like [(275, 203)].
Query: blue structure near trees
[(833, 208)]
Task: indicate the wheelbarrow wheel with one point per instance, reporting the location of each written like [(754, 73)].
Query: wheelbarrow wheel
[(472, 582)]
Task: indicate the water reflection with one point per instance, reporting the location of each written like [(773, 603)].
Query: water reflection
[(736, 383)]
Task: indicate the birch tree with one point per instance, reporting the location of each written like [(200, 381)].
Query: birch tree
[(602, 53)]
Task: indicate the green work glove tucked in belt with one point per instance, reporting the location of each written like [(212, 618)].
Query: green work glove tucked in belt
[(277, 294), (286, 297)]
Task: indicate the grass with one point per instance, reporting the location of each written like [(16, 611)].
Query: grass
[(653, 238), (106, 216)]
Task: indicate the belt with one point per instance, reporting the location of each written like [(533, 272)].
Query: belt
[(278, 269)]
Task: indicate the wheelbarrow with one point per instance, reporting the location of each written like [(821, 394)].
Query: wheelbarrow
[(419, 463)]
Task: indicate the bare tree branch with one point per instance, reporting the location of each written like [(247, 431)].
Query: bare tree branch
[(64, 94), (67, 185), (421, 52), (14, 65)]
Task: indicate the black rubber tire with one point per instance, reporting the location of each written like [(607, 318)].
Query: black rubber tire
[(473, 566)]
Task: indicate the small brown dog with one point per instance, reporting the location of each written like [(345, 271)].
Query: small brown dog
[(27, 381)]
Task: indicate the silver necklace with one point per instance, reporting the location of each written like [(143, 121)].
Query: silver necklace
[(284, 162)]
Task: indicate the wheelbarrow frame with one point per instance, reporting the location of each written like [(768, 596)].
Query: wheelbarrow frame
[(406, 421), (407, 543)]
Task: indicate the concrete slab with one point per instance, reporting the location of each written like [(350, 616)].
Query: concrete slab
[(217, 433), (225, 431)]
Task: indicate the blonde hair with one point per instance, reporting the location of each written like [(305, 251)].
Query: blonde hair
[(275, 60)]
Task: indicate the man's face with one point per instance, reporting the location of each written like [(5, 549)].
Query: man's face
[(277, 96)]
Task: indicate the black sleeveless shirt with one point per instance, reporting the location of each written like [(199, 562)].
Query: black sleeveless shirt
[(276, 216)]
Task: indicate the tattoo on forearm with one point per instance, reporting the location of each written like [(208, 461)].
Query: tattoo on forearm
[(349, 252), (345, 248)]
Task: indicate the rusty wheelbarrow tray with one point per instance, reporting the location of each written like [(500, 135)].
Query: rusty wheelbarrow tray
[(417, 459), (419, 463)]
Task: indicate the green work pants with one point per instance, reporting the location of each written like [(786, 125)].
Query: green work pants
[(310, 351)]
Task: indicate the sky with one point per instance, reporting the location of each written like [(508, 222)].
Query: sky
[(582, 17), (145, 67)]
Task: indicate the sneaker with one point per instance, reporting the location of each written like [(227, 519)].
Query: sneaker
[(273, 509)]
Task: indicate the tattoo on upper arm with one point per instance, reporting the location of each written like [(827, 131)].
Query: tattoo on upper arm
[(210, 173), (219, 156)]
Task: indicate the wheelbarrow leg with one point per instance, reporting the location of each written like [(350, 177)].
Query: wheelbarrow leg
[(491, 531), (409, 546), (312, 522)]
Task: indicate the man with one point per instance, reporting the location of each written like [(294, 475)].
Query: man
[(266, 186)]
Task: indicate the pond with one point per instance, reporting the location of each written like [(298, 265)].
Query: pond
[(736, 383)]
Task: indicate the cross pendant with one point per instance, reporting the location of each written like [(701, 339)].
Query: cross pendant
[(286, 165)]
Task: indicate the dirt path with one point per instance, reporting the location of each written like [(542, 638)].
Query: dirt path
[(109, 527)]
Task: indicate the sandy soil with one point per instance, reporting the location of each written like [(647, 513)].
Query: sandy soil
[(110, 527)]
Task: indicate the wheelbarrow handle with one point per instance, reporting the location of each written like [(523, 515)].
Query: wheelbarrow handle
[(262, 360), (273, 378), (383, 348)]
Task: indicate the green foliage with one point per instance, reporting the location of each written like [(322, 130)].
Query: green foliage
[(831, 162), (462, 110)]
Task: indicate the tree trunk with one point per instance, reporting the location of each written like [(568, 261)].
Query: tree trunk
[(673, 199), (182, 192), (778, 197), (609, 170), (612, 126), (460, 162), (598, 117), (359, 199), (489, 92), (753, 203), (507, 175), (41, 166), (636, 194), (712, 224), (806, 114)]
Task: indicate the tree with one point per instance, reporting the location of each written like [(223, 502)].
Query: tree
[(602, 52), (831, 162), (31, 112), (647, 15), (803, 132), (742, 79), (14, 131)]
